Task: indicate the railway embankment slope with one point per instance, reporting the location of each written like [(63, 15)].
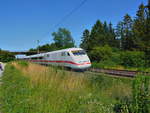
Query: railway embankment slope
[(1, 72), (39, 89)]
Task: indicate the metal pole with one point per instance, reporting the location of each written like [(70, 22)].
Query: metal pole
[(38, 51)]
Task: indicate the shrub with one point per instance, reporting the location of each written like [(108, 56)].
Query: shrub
[(116, 58), (140, 98), (101, 53), (104, 64), (6, 56), (147, 55), (141, 95), (123, 105), (132, 59)]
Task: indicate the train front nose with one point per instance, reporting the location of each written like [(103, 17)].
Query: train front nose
[(84, 65)]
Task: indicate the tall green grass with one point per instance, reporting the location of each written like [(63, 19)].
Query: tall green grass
[(140, 100), (31, 88)]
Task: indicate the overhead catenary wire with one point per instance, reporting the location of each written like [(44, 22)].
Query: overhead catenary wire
[(70, 13), (64, 18)]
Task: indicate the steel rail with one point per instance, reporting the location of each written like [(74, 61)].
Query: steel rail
[(123, 73)]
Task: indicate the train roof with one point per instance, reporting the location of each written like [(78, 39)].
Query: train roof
[(42, 54), (69, 49)]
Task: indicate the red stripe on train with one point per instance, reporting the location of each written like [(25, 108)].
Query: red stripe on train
[(69, 62)]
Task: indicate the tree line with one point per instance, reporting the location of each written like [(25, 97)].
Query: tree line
[(6, 56), (129, 34)]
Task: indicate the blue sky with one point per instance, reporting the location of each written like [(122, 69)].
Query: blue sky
[(23, 22)]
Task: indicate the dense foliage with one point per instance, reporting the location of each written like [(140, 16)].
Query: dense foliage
[(132, 59), (62, 39), (101, 53), (107, 57), (6, 56), (139, 103), (131, 36)]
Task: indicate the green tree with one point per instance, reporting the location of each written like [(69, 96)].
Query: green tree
[(97, 37), (139, 30), (6, 56), (111, 36), (147, 39), (127, 40), (63, 38), (124, 33), (119, 33), (102, 34), (48, 47), (44, 48), (85, 40)]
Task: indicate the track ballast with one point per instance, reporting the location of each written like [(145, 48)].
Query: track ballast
[(123, 73)]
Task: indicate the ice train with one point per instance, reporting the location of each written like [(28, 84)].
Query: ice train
[(74, 58)]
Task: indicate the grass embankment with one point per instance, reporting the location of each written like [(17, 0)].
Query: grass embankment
[(31, 88), (112, 65)]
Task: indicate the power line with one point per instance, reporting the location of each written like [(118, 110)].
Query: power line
[(68, 15)]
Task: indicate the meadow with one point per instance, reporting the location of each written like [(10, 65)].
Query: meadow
[(32, 88)]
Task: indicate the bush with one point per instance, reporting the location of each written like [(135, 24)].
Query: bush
[(116, 58), (139, 103), (141, 95), (123, 106), (147, 55), (101, 53), (132, 59), (6, 56), (104, 64)]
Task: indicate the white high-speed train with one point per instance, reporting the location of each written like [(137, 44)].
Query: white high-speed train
[(74, 58)]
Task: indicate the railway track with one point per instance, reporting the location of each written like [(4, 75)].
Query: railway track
[(123, 73)]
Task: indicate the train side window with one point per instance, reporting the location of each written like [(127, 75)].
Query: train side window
[(68, 53), (63, 54), (35, 58), (48, 55), (40, 58)]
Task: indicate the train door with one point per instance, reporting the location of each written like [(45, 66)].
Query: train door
[(67, 59)]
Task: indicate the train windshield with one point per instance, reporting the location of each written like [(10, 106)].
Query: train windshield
[(78, 52)]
